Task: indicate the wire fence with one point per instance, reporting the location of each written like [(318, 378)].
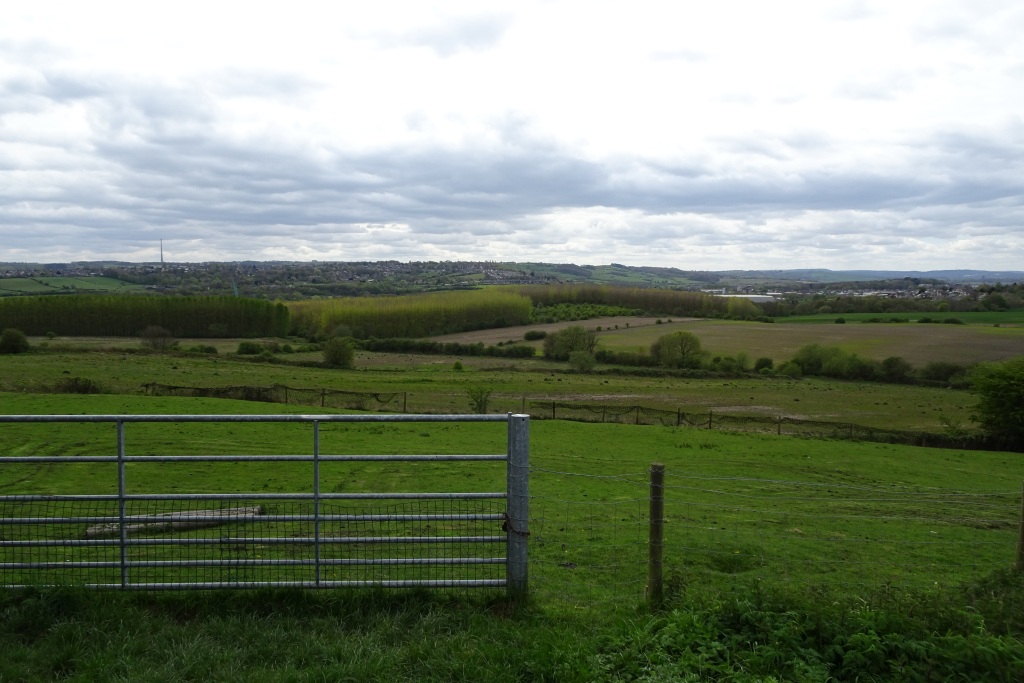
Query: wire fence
[(546, 409), (721, 534)]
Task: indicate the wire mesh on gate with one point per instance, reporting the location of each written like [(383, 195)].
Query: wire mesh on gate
[(265, 541)]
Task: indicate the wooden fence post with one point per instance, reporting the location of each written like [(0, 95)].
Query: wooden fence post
[(709, 419), (1020, 535), (655, 543)]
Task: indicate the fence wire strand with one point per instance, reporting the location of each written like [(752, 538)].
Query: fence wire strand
[(724, 531)]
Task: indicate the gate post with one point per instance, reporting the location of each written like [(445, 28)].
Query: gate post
[(122, 524), (518, 504)]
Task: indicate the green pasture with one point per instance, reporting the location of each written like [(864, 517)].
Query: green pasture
[(786, 558), (432, 384), (917, 343), (66, 285), (740, 507)]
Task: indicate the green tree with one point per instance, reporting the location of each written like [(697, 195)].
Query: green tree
[(562, 344), (13, 341), (582, 361), (1000, 408), (677, 350), (339, 353), (478, 398)]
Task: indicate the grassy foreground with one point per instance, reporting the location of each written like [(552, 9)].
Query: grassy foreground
[(64, 634), (922, 589)]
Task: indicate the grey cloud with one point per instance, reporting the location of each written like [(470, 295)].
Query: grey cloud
[(174, 176)]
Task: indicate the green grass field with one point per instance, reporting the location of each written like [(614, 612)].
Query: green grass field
[(431, 384), (765, 537), (787, 558), (65, 285)]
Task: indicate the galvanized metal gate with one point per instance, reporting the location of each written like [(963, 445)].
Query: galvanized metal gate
[(311, 539)]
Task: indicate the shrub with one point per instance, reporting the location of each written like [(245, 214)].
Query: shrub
[(581, 361), (624, 358), (202, 349), (535, 335), (895, 369), (1000, 408), (339, 353), (840, 321), (763, 363), (13, 341), (157, 338), (79, 385), (478, 398), (790, 369), (249, 348), (941, 371)]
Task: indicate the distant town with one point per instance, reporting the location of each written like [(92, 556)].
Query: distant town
[(291, 280)]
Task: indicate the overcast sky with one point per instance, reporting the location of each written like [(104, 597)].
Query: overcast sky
[(700, 135)]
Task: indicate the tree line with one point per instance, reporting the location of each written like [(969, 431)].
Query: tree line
[(127, 316)]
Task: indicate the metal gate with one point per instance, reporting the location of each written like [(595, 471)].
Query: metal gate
[(312, 539)]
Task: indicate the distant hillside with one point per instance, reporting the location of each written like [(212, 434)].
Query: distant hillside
[(825, 275), (295, 280)]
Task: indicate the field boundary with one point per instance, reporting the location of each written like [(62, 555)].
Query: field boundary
[(547, 409)]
